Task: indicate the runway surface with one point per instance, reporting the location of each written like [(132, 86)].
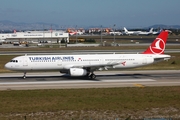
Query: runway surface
[(105, 79)]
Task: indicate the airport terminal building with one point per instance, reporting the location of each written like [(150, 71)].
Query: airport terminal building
[(36, 36)]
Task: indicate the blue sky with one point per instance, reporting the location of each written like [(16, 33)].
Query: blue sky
[(128, 13)]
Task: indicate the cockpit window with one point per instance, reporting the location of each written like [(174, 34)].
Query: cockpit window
[(14, 61)]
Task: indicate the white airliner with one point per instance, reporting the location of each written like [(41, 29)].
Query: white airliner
[(146, 33), (74, 33), (131, 32), (85, 65), (115, 33), (157, 32)]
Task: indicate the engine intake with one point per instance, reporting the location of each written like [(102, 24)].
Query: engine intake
[(77, 72)]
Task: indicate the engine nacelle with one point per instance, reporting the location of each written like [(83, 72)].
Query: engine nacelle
[(77, 72)]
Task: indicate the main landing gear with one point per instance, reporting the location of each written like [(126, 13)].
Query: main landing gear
[(92, 76), (90, 73)]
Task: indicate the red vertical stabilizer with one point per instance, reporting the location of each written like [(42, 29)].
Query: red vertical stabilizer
[(158, 45)]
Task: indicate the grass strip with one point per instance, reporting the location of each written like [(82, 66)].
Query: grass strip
[(114, 99)]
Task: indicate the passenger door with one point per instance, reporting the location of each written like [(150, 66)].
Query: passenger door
[(25, 61)]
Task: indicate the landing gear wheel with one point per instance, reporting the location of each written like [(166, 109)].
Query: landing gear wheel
[(92, 76), (24, 76)]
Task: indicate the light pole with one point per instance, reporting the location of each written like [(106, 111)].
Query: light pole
[(114, 33), (51, 31), (101, 34), (43, 32), (51, 34), (76, 33)]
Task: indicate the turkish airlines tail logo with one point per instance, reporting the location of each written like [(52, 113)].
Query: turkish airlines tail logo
[(158, 45)]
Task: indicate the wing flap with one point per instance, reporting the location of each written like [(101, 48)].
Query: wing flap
[(109, 64)]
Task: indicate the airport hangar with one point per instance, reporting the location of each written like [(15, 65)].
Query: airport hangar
[(36, 37)]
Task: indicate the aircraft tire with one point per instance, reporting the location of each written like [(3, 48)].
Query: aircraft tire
[(93, 76)]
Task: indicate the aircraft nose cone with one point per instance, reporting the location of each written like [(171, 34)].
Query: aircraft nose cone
[(7, 66)]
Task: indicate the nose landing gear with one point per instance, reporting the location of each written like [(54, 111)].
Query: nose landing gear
[(24, 76)]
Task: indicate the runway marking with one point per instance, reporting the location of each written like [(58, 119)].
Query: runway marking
[(139, 85), (78, 81), (130, 80)]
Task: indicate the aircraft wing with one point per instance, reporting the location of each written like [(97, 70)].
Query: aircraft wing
[(97, 66)]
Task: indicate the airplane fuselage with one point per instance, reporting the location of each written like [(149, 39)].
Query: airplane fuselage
[(60, 62)]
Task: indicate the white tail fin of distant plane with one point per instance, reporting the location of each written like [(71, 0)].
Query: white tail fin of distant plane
[(158, 45), (125, 29), (151, 30)]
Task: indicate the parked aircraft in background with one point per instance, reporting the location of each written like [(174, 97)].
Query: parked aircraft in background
[(79, 33), (115, 33), (72, 33), (157, 32), (85, 65), (130, 32), (145, 32), (76, 33)]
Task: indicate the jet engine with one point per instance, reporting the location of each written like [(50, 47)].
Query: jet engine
[(77, 72)]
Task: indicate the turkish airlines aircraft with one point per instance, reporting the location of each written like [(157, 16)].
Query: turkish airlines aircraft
[(85, 65)]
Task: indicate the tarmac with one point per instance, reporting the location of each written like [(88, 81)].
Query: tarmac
[(104, 79)]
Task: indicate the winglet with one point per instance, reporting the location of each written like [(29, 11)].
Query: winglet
[(158, 45)]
